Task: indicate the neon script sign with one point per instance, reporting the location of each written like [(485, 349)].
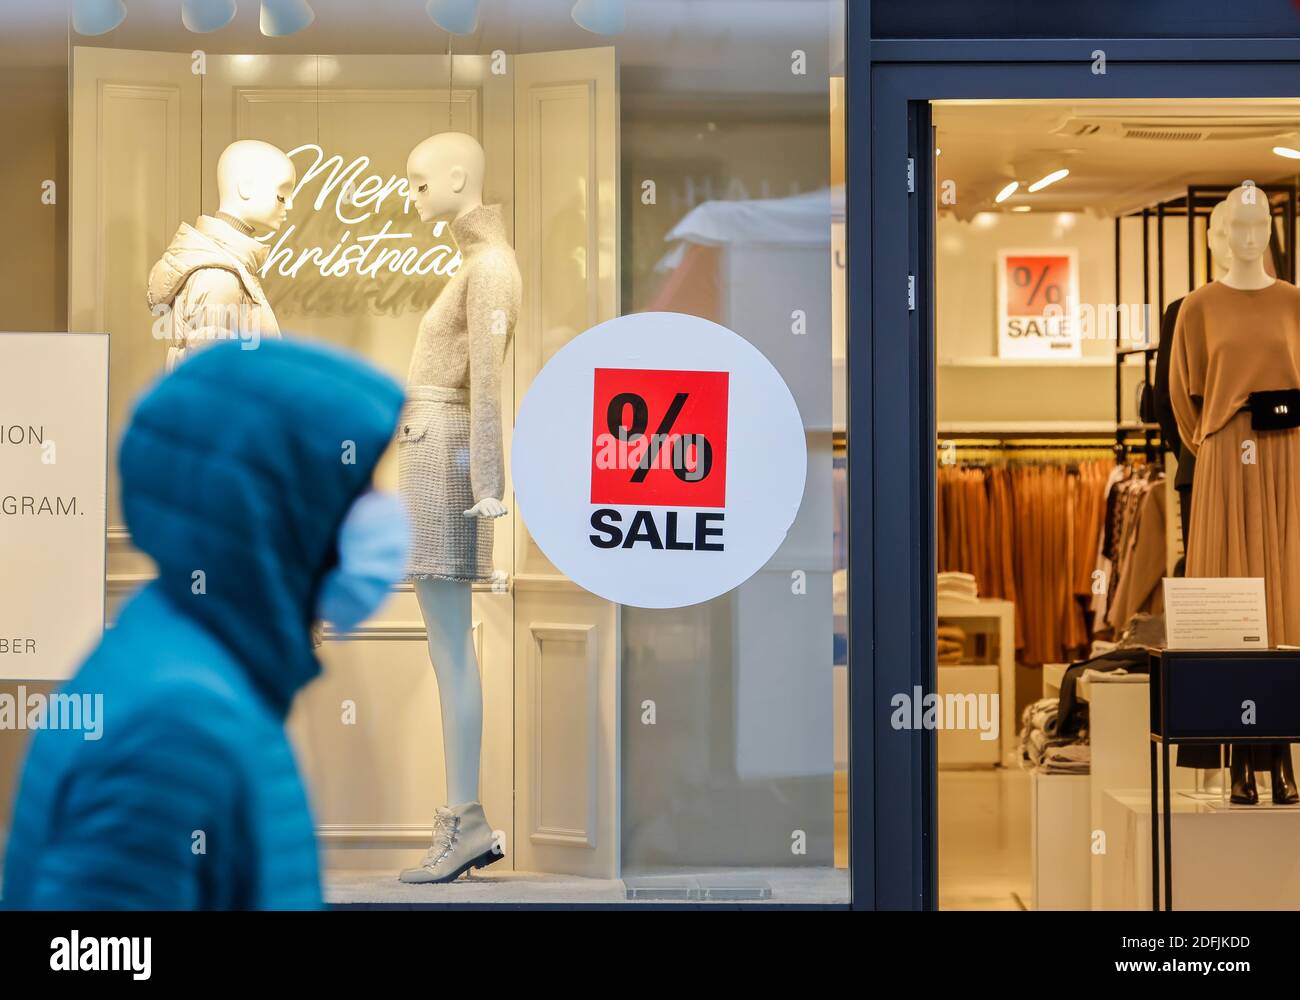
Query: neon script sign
[(359, 199)]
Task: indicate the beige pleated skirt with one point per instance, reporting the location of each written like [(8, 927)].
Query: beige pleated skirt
[(433, 474), (1246, 516)]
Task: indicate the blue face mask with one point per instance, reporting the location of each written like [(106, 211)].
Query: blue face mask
[(374, 543)]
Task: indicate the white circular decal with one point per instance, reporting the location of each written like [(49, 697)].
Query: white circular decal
[(659, 460)]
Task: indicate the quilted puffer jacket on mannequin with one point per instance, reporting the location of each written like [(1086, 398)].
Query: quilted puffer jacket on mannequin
[(206, 289), (235, 480)]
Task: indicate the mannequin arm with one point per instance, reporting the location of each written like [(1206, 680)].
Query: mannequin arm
[(1185, 384), (210, 308), (487, 507), (490, 314)]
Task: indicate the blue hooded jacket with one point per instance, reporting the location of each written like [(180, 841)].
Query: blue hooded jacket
[(236, 474)]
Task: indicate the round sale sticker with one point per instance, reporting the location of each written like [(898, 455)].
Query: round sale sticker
[(659, 460)]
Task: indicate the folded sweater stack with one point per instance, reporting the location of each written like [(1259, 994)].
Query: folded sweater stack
[(952, 645), (957, 586), (1042, 746)]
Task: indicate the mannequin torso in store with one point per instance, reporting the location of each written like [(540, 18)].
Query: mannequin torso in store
[(1235, 337), (451, 459), (208, 281)]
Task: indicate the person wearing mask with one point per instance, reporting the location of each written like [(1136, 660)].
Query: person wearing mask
[(246, 476)]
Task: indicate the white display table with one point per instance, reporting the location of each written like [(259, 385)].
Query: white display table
[(1224, 858)]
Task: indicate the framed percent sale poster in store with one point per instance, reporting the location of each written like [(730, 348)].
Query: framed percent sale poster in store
[(1038, 298)]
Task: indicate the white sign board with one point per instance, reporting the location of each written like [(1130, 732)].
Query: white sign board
[(1038, 304), (1215, 613), (53, 461), (659, 460)]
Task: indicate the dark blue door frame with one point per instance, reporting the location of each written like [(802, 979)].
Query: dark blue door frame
[(891, 466)]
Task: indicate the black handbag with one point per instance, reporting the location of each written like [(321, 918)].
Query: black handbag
[(1274, 410)]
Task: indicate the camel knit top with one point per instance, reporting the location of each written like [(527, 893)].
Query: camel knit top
[(463, 337), (1228, 343)]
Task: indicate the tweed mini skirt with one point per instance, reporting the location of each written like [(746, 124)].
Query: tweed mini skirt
[(433, 477)]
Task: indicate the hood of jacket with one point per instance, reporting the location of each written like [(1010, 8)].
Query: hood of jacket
[(208, 243), (236, 473)]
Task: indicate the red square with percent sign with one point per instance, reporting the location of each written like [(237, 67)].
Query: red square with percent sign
[(1036, 281), (659, 438)]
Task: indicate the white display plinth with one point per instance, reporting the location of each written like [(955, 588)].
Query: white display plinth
[(1224, 859), (1059, 839)]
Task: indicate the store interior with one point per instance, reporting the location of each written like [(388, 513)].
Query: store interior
[(1059, 495)]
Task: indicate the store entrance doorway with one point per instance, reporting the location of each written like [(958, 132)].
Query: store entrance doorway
[(898, 331)]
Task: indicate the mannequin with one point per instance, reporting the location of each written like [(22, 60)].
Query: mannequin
[(207, 286), (452, 471), (1236, 336)]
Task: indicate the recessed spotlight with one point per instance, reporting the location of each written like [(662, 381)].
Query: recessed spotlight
[(1021, 208), (285, 17), (97, 17), (600, 17), (1288, 152), (1051, 178), (202, 16), (459, 17), (938, 152), (1007, 192)]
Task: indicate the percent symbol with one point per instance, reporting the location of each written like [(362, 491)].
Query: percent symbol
[(641, 421), (1024, 275)]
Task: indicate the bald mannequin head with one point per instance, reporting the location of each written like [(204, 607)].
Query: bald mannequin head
[(445, 174), (255, 183), (1250, 222), (1217, 235)]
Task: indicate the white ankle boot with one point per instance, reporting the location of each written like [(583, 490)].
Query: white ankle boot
[(462, 840)]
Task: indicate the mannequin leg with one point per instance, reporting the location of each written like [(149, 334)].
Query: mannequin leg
[(445, 605)]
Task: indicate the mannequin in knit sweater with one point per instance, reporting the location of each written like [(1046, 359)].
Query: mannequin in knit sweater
[(455, 373)]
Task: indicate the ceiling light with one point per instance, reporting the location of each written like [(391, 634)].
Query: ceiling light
[(206, 15), (1007, 192), (285, 17), (985, 220), (1021, 208), (601, 17), (460, 17), (1288, 152), (938, 152), (1051, 178), (97, 17)]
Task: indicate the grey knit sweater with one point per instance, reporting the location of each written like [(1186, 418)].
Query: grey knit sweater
[(463, 338)]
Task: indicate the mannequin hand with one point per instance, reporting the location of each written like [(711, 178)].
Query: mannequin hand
[(488, 507)]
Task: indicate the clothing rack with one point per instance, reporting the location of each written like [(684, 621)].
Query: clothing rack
[(1122, 449), (1198, 203)]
